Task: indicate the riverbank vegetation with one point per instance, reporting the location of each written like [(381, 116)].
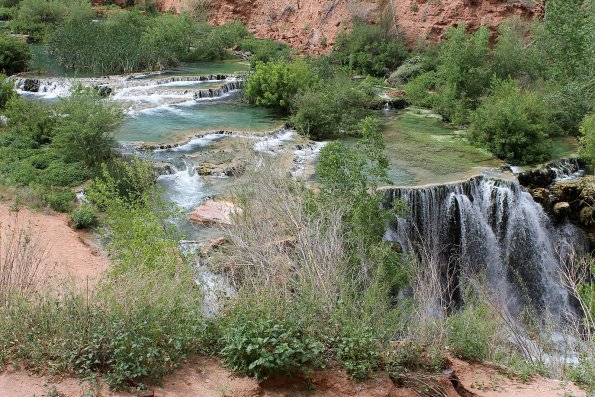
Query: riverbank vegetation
[(50, 148)]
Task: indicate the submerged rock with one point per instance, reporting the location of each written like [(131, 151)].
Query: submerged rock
[(215, 212)]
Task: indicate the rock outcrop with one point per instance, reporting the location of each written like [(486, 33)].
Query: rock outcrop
[(215, 212), (312, 26)]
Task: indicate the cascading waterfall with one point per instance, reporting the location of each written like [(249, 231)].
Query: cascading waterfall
[(494, 228), (184, 186)]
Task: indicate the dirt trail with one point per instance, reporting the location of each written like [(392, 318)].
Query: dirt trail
[(67, 254)]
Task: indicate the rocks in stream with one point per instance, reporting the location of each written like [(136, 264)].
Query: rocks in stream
[(215, 212), (163, 168), (31, 85), (233, 168)]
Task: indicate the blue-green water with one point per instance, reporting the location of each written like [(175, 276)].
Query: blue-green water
[(175, 123)]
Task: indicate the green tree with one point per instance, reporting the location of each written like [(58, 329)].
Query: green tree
[(370, 49), (85, 132), (274, 84), (567, 38), (15, 55), (331, 108), (512, 124)]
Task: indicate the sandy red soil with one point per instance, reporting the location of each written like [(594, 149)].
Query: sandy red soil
[(67, 254)]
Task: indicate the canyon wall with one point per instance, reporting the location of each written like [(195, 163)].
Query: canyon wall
[(312, 25)]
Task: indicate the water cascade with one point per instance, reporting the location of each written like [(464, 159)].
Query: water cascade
[(493, 228)]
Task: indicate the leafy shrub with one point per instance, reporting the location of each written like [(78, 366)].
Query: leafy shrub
[(274, 84), (6, 92), (137, 224), (15, 55), (265, 50), (417, 90), (62, 174), (59, 200), (262, 348), (512, 124), (7, 13), (213, 41), (370, 49), (358, 351), (37, 17), (470, 333), (583, 372), (412, 356), (83, 217), (411, 68), (331, 108)]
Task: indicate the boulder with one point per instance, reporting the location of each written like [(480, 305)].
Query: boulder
[(163, 168), (541, 196), (561, 210), (215, 212), (31, 85)]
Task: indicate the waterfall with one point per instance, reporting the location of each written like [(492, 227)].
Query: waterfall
[(494, 228), (219, 92)]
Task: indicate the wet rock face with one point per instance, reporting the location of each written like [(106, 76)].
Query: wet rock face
[(540, 178), (31, 85)]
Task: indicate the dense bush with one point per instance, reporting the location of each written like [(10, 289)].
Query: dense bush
[(262, 348), (15, 55), (213, 41), (331, 108), (512, 124), (37, 17), (470, 333), (274, 84), (137, 224), (84, 217), (6, 91), (265, 50), (39, 149), (370, 49)]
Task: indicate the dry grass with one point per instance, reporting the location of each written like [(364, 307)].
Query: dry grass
[(21, 255), (277, 241)]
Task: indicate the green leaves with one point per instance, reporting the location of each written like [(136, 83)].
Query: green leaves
[(15, 55), (274, 84), (262, 348), (512, 123)]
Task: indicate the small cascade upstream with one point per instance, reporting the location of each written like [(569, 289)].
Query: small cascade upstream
[(489, 227), (137, 92)]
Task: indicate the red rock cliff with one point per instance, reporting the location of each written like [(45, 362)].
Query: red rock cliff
[(310, 24)]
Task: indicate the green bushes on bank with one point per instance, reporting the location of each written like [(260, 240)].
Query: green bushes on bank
[(54, 147), (15, 55), (512, 124)]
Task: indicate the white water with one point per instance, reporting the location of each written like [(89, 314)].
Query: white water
[(184, 187)]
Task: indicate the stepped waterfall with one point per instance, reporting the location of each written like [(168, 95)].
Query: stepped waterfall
[(493, 228)]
